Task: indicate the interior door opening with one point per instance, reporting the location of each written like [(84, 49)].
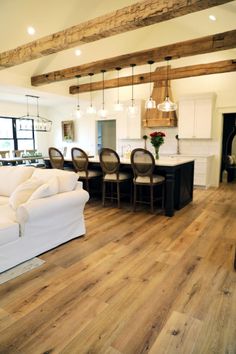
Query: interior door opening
[(106, 134)]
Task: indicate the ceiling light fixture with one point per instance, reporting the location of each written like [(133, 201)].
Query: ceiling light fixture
[(212, 17), (167, 105), (40, 124), (118, 106), (77, 52), (132, 108), (31, 30), (103, 112), (150, 103), (91, 109), (79, 113)]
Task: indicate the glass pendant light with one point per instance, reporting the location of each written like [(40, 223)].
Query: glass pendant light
[(167, 105), (103, 112), (118, 106), (78, 113), (132, 107), (91, 109), (150, 103)]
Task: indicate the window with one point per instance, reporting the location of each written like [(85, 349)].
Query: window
[(13, 139)]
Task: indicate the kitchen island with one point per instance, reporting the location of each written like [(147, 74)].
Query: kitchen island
[(177, 170)]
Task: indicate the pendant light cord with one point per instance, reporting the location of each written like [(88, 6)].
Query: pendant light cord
[(118, 85), (150, 62), (90, 88), (78, 77), (132, 84), (103, 89), (168, 58)]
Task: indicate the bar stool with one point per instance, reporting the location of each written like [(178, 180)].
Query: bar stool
[(110, 164), (80, 162), (143, 164), (56, 158)]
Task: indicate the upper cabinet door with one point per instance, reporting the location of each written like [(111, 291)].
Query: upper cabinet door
[(203, 118), (186, 119), (195, 117)]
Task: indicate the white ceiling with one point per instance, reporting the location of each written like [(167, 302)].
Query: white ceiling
[(49, 16)]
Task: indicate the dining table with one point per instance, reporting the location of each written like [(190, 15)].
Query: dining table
[(16, 160)]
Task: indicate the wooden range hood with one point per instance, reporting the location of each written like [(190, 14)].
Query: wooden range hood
[(155, 118)]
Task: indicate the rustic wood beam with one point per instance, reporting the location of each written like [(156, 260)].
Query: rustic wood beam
[(203, 45), (160, 74), (141, 14)]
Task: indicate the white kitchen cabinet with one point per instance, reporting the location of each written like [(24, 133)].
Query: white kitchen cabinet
[(202, 170), (195, 116)]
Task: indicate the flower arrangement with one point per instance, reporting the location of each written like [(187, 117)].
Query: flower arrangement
[(157, 139)]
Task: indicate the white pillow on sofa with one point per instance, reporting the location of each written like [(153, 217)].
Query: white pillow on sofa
[(23, 192), (46, 190), (13, 176), (67, 180)]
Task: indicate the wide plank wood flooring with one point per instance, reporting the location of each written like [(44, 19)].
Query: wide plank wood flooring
[(136, 283)]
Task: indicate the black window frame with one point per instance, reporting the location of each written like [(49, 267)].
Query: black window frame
[(14, 133)]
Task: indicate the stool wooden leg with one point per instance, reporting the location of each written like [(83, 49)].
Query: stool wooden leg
[(103, 193), (118, 193), (135, 197), (87, 185), (151, 197), (235, 259)]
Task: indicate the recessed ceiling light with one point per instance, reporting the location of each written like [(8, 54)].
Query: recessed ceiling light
[(212, 17), (77, 52), (31, 30)]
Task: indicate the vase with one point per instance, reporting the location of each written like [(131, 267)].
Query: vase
[(156, 152)]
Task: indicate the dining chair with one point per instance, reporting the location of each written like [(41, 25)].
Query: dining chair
[(18, 153), (4, 153), (110, 164), (56, 158), (80, 162), (143, 164)]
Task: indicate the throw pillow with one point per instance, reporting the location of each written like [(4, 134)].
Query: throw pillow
[(230, 159), (23, 192), (67, 180), (46, 190)]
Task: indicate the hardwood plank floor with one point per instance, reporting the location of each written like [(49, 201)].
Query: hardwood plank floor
[(136, 283)]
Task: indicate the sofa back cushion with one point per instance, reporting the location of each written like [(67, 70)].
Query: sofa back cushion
[(24, 191), (46, 190), (67, 181), (13, 176)]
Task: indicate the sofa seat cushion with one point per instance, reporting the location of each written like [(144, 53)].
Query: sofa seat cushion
[(9, 231), (67, 180), (11, 177), (3, 200)]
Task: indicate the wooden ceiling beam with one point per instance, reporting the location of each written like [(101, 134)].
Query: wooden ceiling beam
[(203, 45), (160, 74), (141, 14)]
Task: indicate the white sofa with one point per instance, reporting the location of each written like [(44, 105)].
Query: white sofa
[(39, 210)]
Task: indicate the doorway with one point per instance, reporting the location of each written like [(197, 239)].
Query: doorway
[(106, 134), (228, 144)]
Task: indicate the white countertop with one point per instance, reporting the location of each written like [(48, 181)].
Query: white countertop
[(162, 161)]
